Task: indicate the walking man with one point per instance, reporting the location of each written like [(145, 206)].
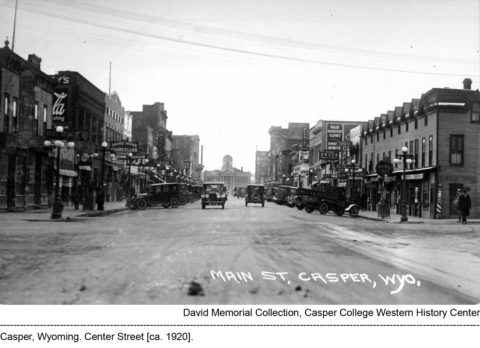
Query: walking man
[(464, 205)]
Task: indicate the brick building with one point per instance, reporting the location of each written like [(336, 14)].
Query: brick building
[(185, 155), (327, 137), (282, 141), (261, 166), (441, 132), (79, 107), (26, 172)]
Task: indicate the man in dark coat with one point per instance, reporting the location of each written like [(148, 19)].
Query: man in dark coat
[(464, 205)]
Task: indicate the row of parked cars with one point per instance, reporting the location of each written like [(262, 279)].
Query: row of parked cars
[(172, 195), (324, 200)]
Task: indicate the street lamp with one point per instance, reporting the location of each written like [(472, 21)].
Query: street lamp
[(57, 203), (101, 193), (407, 159), (352, 191)]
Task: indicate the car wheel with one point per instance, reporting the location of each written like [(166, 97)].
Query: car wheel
[(323, 208), (309, 210), (263, 204), (174, 202), (133, 205), (141, 204), (166, 204), (354, 211), (339, 212), (203, 206), (299, 207)]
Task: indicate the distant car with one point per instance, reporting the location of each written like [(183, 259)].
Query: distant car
[(255, 194), (214, 193), (167, 194)]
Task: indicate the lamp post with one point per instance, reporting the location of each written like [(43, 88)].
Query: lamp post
[(129, 162), (101, 189), (352, 189), (57, 208), (407, 159)]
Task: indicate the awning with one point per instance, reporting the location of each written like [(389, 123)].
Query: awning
[(68, 172), (324, 181), (88, 168)]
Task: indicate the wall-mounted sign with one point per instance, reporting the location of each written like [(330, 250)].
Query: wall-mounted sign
[(123, 148), (334, 136), (328, 155), (60, 107)]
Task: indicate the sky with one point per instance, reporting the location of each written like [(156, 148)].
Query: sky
[(229, 70)]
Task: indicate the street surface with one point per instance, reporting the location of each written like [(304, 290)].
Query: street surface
[(239, 255)]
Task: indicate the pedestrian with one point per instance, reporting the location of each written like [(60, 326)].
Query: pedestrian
[(455, 204), (76, 196), (100, 197), (464, 205)]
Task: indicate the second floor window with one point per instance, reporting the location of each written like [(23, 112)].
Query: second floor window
[(424, 143), (430, 150), (456, 149), (14, 116), (475, 113)]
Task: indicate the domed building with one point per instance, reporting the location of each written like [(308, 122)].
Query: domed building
[(231, 176)]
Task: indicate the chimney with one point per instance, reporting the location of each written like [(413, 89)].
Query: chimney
[(467, 84), (34, 60)]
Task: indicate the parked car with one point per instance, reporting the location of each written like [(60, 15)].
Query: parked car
[(166, 194), (330, 199), (270, 191), (214, 193), (255, 194), (282, 193), (194, 192)]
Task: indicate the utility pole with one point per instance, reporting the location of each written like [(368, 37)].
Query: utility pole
[(14, 25)]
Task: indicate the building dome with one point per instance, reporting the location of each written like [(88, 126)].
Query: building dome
[(227, 163)]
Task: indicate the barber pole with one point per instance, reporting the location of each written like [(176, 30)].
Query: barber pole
[(439, 209)]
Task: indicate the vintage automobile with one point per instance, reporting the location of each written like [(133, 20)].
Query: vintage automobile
[(270, 191), (255, 194), (282, 193), (166, 194), (303, 195), (292, 196), (194, 192), (330, 199), (214, 193)]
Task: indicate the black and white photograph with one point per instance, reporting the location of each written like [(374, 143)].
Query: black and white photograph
[(267, 152)]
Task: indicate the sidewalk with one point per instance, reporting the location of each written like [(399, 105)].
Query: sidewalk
[(395, 218), (68, 213)]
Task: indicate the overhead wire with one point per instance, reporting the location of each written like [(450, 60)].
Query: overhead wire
[(143, 33)]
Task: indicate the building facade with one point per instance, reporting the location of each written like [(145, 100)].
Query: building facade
[(26, 166), (441, 133), (186, 155), (229, 175), (261, 166), (330, 149), (79, 107), (282, 141)]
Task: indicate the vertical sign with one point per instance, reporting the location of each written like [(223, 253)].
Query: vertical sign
[(334, 136), (60, 102)]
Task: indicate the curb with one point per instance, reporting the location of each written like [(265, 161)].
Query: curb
[(103, 212)]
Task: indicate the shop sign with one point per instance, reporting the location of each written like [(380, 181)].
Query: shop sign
[(123, 148), (414, 176), (334, 136), (328, 155)]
